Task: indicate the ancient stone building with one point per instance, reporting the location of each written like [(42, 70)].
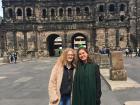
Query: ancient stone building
[(39, 25), (134, 8), (2, 42)]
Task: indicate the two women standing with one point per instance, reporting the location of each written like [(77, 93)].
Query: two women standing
[(86, 84)]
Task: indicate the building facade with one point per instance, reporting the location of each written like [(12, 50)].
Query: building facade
[(135, 22), (2, 39), (48, 25)]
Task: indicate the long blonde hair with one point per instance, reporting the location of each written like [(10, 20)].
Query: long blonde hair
[(63, 57)]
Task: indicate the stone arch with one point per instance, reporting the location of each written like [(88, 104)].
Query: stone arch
[(29, 11), (69, 11), (122, 7), (10, 12), (19, 12), (52, 12), (111, 7), (53, 44), (86, 10), (79, 39), (78, 11), (61, 12), (101, 8), (44, 13)]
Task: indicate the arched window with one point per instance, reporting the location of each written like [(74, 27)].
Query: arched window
[(78, 11), (86, 10), (61, 12), (19, 12), (122, 7), (101, 8), (44, 13), (52, 13), (28, 12), (111, 8), (69, 12), (10, 13)]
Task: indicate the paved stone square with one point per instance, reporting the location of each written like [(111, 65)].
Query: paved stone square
[(26, 83)]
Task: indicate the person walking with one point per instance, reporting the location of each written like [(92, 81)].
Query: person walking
[(60, 83), (15, 57), (87, 82)]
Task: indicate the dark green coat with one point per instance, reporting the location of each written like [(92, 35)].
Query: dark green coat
[(86, 85)]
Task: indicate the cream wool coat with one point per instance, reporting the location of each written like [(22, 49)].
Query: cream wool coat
[(55, 83)]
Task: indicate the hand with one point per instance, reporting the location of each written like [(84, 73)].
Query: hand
[(55, 101)]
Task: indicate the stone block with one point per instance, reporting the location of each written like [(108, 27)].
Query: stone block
[(117, 60), (118, 75)]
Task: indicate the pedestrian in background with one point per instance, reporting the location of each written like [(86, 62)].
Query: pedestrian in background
[(87, 82), (10, 58), (60, 83), (15, 57)]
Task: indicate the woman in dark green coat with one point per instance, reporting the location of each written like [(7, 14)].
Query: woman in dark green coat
[(87, 82)]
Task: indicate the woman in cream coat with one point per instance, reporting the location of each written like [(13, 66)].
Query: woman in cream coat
[(60, 83)]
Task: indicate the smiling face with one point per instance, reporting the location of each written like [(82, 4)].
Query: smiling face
[(70, 56), (83, 55)]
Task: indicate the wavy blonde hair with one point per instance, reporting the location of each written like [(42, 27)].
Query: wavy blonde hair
[(63, 57)]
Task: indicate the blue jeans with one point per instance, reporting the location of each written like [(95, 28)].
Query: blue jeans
[(65, 100)]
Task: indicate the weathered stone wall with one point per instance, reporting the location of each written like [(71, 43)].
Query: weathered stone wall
[(112, 37)]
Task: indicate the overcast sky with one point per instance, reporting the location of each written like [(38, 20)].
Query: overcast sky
[(1, 11)]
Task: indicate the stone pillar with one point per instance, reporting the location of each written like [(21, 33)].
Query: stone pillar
[(15, 40), (94, 37), (25, 41), (117, 71), (64, 40), (36, 41), (117, 38)]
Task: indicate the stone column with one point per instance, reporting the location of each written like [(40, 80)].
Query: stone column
[(117, 38), (91, 36), (15, 40), (94, 37), (64, 40), (25, 41), (117, 71)]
